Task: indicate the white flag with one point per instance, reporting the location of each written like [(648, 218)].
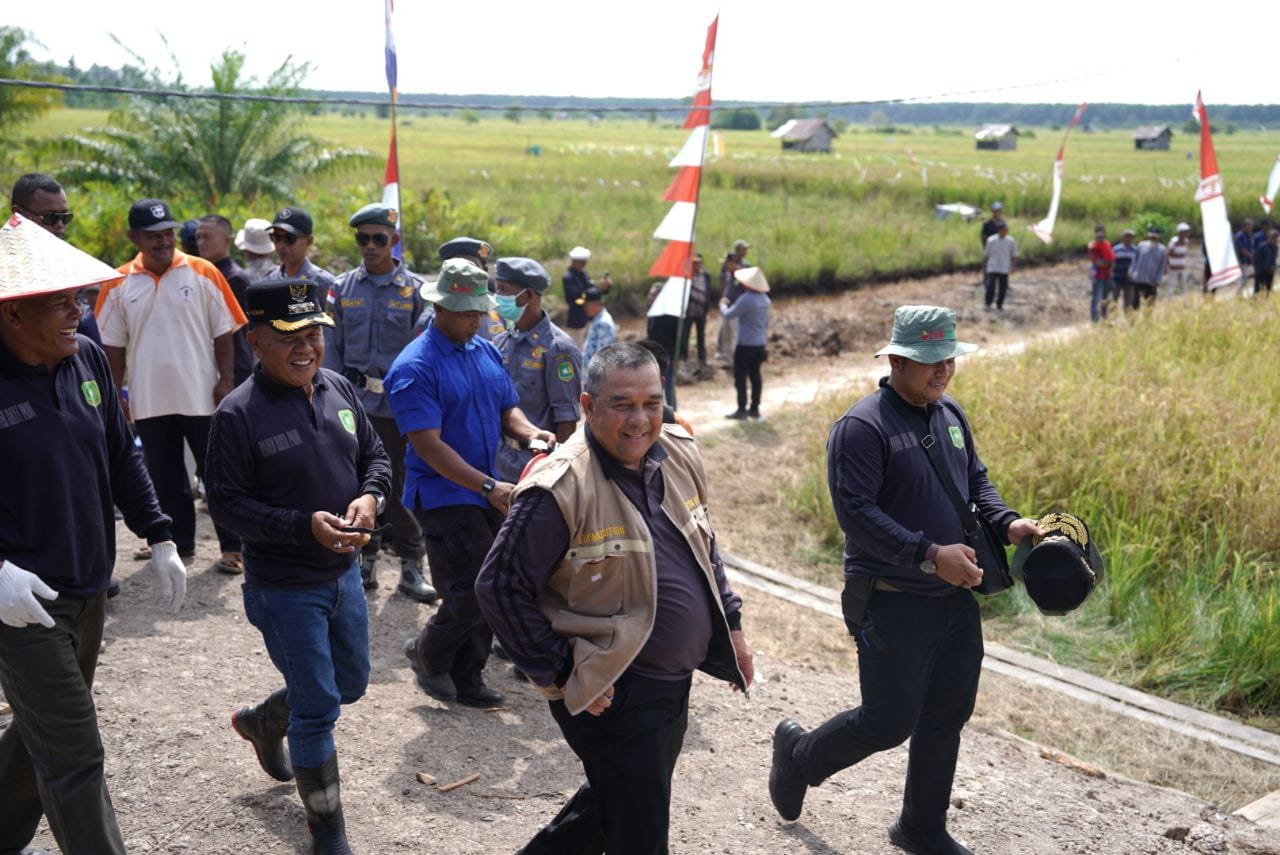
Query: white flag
[(1273, 187)]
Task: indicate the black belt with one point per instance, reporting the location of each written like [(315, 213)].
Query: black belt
[(363, 381)]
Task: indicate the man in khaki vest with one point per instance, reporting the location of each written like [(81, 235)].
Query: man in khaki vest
[(606, 588)]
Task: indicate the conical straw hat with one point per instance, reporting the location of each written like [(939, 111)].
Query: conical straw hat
[(34, 261), (753, 278)]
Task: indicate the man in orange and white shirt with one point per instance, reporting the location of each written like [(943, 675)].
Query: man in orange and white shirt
[(167, 330)]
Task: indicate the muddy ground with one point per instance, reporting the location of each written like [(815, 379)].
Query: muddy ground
[(182, 781)]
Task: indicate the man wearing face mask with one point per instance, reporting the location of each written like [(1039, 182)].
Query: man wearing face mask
[(541, 359), (376, 308)]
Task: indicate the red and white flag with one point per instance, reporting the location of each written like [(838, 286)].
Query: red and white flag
[(1044, 228), (1219, 249), (1273, 188), (391, 181)]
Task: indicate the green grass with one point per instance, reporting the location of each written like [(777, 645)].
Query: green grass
[(1161, 433), (862, 213)]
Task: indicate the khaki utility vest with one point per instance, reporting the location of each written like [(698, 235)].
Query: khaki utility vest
[(603, 595)]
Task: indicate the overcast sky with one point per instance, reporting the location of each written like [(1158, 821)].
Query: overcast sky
[(797, 50)]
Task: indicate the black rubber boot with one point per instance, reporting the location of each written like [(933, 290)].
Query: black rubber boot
[(264, 726), (321, 794), (413, 584)]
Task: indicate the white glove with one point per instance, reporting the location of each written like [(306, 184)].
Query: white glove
[(18, 592), (171, 572)]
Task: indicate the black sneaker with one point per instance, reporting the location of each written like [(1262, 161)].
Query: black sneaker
[(737, 415), (786, 787), (941, 843), (437, 684)]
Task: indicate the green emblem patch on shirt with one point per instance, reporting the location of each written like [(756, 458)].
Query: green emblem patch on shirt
[(957, 436), (565, 371), (348, 420), (92, 395)]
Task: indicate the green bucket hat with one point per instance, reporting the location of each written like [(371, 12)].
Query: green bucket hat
[(925, 334), (461, 287)]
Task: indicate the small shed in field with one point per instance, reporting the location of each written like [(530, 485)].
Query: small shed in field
[(805, 135), (997, 137), (1152, 138)]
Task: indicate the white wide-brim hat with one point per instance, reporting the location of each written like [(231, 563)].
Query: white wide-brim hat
[(753, 278), (579, 253), (34, 261), (255, 237)]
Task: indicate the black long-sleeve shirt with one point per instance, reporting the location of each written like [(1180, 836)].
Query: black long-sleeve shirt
[(889, 499), (575, 282), (238, 279), (275, 458), (67, 455), (531, 545)]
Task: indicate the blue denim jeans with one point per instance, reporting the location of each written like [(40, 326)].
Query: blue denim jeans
[(1098, 305), (318, 637)]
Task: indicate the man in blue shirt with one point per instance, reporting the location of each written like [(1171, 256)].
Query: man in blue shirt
[(920, 638), (454, 402)]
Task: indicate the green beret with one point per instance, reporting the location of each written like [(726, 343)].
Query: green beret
[(375, 214)]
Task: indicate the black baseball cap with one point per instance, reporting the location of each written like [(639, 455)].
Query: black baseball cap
[(151, 215), (293, 220), (288, 305)]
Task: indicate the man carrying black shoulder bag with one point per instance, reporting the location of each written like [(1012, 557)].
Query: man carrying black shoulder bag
[(923, 527)]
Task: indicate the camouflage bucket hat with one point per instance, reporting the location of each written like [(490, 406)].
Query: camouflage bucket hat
[(925, 334), (461, 287)]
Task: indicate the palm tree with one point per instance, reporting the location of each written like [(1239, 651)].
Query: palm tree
[(206, 148)]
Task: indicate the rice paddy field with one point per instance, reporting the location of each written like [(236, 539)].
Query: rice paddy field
[(862, 213)]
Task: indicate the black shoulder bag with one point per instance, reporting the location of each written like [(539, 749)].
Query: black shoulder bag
[(978, 531)]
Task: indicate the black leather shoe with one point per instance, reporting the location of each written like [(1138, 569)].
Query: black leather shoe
[(264, 727), (941, 843), (753, 413), (413, 584), (786, 787), (437, 684), (481, 697), (737, 415)]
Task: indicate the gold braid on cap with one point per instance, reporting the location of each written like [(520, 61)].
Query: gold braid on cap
[(1060, 526)]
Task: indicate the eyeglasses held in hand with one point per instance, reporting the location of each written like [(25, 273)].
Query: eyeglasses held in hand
[(378, 238), (284, 237)]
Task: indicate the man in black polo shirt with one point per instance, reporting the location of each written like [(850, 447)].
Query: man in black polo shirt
[(67, 457), (920, 639), (286, 450)]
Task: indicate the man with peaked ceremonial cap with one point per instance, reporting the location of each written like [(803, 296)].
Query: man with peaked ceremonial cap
[(908, 573), (68, 457), (287, 448)]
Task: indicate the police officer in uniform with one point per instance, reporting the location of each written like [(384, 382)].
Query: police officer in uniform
[(376, 309), (480, 254), (291, 234), (296, 469), (541, 359)]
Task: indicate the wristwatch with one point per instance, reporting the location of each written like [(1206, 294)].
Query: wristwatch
[(928, 565), (381, 501), (487, 486)]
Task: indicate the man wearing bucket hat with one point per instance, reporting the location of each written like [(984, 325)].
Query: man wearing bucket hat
[(751, 311), (455, 403), (67, 456), (376, 308), (543, 362), (288, 451), (576, 282), (254, 242), (908, 571)]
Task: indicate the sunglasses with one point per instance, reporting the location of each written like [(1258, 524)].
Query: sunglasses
[(378, 238), (52, 218), (284, 237)]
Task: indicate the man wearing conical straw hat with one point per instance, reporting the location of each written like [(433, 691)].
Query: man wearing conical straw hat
[(67, 458)]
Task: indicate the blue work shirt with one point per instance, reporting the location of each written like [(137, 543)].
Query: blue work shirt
[(374, 318), (546, 368), (887, 496), (752, 311), (461, 390), (67, 456)]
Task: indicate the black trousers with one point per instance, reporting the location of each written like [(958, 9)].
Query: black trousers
[(662, 329), (700, 324), (406, 534), (629, 754), (747, 359), (1143, 293), (919, 681), (162, 441), (1262, 280), (997, 287), (51, 756), (456, 639)]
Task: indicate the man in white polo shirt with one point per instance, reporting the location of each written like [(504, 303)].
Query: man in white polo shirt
[(172, 316)]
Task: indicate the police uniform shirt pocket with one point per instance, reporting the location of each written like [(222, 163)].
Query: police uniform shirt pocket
[(355, 317)]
